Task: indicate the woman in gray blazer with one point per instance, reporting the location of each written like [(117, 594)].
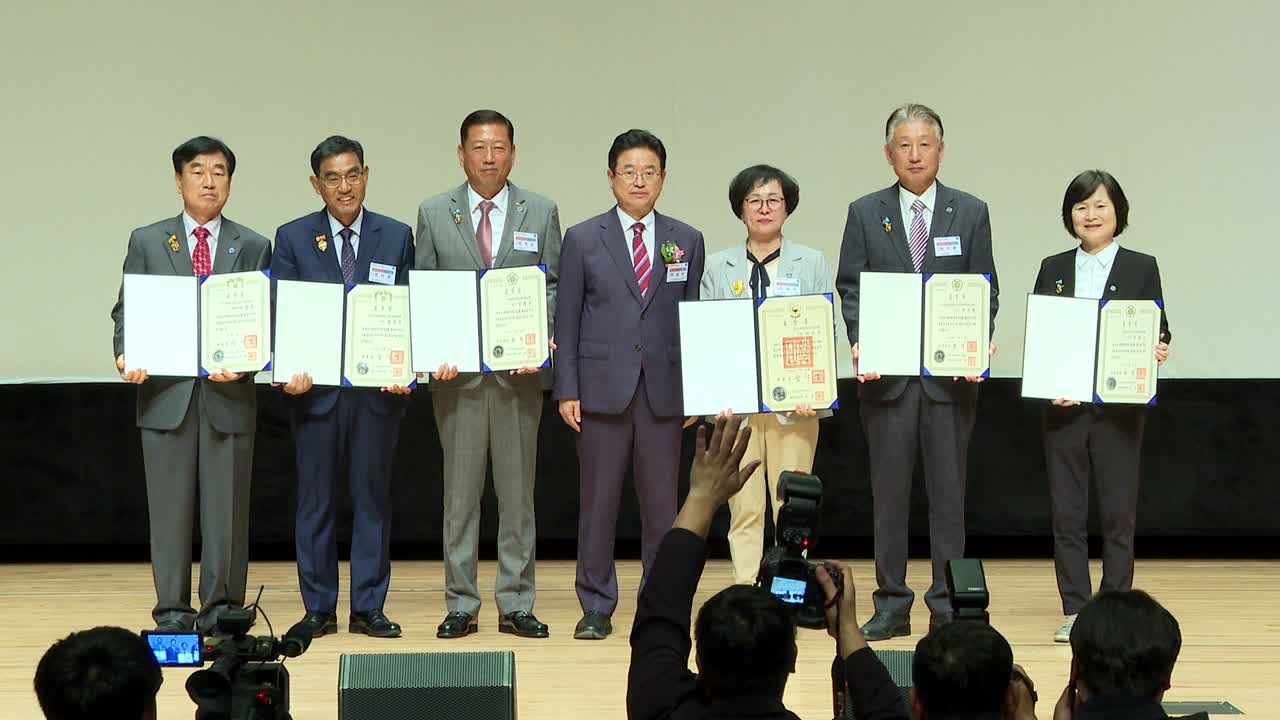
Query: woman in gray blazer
[(763, 197)]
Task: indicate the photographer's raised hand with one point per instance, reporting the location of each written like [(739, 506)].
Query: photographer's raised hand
[(715, 475)]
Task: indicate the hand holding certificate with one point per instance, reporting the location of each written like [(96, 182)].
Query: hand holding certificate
[(378, 352)]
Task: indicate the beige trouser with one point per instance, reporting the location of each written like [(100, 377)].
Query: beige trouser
[(781, 448)]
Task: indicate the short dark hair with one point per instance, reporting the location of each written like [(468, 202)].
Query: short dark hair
[(962, 670), (633, 139), (485, 117), (106, 672), (334, 145), (1125, 644), (755, 176), (746, 642), (1086, 184), (203, 145)]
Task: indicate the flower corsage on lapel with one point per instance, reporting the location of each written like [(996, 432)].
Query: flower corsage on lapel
[(173, 243), (737, 287), (457, 216), (888, 224), (322, 243), (671, 253)]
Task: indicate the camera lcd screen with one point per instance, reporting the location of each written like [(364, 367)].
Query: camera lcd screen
[(788, 590), (176, 649)]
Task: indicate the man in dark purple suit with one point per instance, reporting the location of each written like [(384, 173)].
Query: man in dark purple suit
[(617, 371)]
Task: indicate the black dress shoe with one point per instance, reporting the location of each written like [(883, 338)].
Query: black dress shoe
[(457, 624), (937, 620), (172, 626), (594, 625), (523, 624), (320, 624), (374, 624), (886, 624)]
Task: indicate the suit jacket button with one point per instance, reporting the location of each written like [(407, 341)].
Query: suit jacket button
[(637, 348)]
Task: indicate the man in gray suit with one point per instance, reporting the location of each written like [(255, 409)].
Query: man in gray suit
[(916, 225), (488, 222), (197, 434)]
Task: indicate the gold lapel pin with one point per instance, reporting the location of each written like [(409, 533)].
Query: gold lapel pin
[(173, 243), (322, 243)]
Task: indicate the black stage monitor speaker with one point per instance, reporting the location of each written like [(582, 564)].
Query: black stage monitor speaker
[(427, 686)]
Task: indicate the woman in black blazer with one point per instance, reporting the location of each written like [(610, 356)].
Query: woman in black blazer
[(1102, 440)]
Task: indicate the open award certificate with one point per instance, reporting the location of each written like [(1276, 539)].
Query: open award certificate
[(235, 322), (377, 341), (796, 345), (957, 325), (1128, 331), (513, 316)]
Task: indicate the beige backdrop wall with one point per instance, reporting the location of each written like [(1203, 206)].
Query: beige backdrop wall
[(1178, 99)]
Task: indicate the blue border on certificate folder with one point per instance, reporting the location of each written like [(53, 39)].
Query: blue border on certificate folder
[(1097, 399), (835, 401), (924, 371), (204, 372), (345, 381), (484, 368)]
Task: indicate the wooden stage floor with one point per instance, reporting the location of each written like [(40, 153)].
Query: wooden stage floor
[(1228, 611)]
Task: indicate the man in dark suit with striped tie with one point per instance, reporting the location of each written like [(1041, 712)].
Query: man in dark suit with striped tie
[(344, 432), (946, 231)]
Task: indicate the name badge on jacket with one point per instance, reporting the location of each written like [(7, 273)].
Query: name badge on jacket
[(785, 286), (947, 246), (526, 242), (677, 272), (382, 274)]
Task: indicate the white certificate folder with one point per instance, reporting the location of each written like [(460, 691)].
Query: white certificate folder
[(890, 308), (308, 335), (718, 356), (1060, 348), (444, 308), (161, 325)]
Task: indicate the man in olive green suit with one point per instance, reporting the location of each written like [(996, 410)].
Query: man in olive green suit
[(197, 433), (483, 223)]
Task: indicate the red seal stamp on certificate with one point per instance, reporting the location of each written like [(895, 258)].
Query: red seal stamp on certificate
[(819, 377), (797, 352), (530, 338), (251, 341), (397, 357)]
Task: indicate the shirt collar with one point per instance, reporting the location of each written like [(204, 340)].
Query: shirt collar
[(335, 227), (1103, 258), (214, 226), (500, 200), (928, 197), (627, 221)]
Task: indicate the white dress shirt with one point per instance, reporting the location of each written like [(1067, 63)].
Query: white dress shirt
[(649, 237), (1092, 271), (335, 227), (906, 199), (497, 216), (214, 227)]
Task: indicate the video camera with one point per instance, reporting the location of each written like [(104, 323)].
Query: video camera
[(784, 570), (244, 681)]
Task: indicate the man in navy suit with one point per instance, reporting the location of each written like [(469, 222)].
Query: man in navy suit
[(349, 432), (617, 372)]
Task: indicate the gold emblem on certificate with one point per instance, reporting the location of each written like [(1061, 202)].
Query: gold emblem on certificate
[(957, 325), (235, 322), (513, 317), (1128, 331), (377, 341), (797, 352)]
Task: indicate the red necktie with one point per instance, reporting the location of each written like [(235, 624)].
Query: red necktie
[(640, 258), (200, 258)]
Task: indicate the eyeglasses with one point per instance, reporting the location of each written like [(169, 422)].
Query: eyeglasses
[(772, 202), (353, 179), (630, 176)]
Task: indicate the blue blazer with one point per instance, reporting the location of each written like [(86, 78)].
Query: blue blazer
[(297, 256)]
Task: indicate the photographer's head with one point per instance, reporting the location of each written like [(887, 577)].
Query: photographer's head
[(961, 671), (106, 672), (1124, 645), (746, 643)]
